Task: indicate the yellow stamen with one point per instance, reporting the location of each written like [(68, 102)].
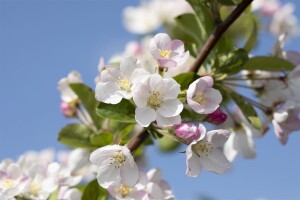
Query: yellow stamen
[(125, 84), (164, 53), (117, 159), (124, 190), (155, 100), (34, 189), (199, 98), (8, 183)]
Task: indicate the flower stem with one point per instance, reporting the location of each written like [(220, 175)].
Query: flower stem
[(217, 33), (137, 140)]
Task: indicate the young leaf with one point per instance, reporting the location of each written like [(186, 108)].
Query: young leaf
[(167, 145), (94, 192), (253, 31), (122, 112), (191, 116), (87, 98), (185, 79), (101, 139), (76, 135), (268, 63), (248, 110)]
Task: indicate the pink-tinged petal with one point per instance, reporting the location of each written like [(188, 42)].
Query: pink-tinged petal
[(167, 62), (181, 59), (170, 108), (154, 191), (171, 89), (208, 80), (177, 46), (106, 92), (215, 162), (193, 165), (154, 49), (108, 176), (229, 150), (14, 171), (167, 121), (280, 132), (163, 41), (196, 106), (218, 137), (128, 65), (144, 116), (129, 173), (156, 82), (111, 73)]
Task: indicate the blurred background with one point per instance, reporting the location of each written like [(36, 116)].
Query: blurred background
[(41, 41)]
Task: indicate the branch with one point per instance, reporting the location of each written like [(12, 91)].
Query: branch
[(137, 140), (217, 33)]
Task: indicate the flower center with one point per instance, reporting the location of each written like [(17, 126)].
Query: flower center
[(7, 183), (199, 98), (117, 159), (203, 148), (34, 189), (164, 53), (155, 100), (125, 84), (124, 190)]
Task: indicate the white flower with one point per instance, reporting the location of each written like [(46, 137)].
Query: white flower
[(117, 83), (67, 193), (284, 21), (205, 153), (67, 94), (156, 99), (167, 52), (158, 188), (115, 165), (12, 182), (201, 97)]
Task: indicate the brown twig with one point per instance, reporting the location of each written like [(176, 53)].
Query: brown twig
[(217, 33), (137, 140)]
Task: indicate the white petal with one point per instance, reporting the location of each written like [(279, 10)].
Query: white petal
[(73, 194), (244, 144), (218, 137), (141, 94), (170, 108), (108, 175), (144, 116), (154, 191), (156, 82), (102, 155), (138, 75), (167, 121), (229, 150), (163, 41), (215, 162), (107, 92), (193, 165), (154, 175), (128, 65), (171, 89), (129, 173)]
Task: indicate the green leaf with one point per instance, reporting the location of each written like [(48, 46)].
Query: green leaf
[(75, 135), (233, 62), (155, 134), (253, 31), (247, 109), (87, 98), (227, 2), (191, 116), (53, 195), (185, 79), (165, 144), (190, 24), (268, 63), (94, 192), (101, 139), (122, 112)]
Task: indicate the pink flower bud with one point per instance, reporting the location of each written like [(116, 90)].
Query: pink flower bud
[(68, 110), (217, 117), (188, 132)]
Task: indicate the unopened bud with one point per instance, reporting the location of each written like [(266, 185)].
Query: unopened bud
[(217, 117), (68, 110), (188, 132)]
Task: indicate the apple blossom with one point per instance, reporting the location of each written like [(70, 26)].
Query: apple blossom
[(67, 193), (67, 94), (205, 153), (156, 99), (117, 83), (201, 97), (115, 165), (167, 52), (12, 181)]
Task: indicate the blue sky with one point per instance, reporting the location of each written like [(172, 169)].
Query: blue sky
[(42, 41)]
